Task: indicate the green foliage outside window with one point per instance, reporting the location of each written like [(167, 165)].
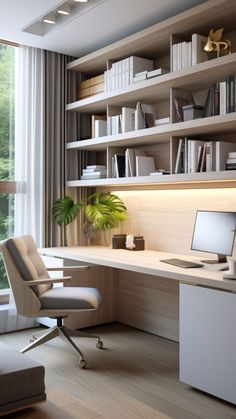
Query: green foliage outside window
[(7, 144)]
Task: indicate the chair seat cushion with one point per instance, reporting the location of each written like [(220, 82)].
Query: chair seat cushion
[(21, 379), (69, 298)]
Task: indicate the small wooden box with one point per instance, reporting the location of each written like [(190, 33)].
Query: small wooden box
[(90, 87), (118, 241)]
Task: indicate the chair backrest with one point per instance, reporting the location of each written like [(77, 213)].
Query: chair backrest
[(23, 263)]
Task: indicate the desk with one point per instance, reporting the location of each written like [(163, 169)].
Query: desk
[(207, 311), (146, 262)]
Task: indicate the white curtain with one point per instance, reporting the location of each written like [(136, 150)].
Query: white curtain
[(29, 158), (30, 131)]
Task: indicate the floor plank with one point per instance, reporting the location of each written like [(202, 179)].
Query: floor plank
[(134, 377)]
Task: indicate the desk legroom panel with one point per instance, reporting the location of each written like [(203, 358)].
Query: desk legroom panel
[(149, 303)]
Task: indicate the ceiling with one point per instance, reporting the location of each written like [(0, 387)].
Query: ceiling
[(106, 21)]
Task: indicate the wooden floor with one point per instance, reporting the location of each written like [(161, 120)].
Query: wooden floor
[(134, 377)]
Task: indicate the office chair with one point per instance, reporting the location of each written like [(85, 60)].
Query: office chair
[(35, 296)]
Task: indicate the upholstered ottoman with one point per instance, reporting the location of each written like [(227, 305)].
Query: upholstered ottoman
[(21, 380)]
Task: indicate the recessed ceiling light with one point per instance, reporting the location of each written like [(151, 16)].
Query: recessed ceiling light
[(64, 9), (50, 18)]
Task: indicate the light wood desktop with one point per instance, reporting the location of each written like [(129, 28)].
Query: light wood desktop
[(146, 262)]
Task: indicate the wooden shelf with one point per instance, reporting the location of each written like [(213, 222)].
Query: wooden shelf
[(157, 89), (176, 181), (214, 125), (155, 39), (154, 43)]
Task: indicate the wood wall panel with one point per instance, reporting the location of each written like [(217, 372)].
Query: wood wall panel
[(166, 218), (149, 303)]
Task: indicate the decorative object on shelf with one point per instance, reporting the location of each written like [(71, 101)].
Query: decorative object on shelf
[(215, 43), (102, 211), (192, 112), (118, 241), (179, 103)]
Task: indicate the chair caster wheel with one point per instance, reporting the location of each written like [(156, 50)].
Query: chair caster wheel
[(99, 344), (33, 339), (82, 364)]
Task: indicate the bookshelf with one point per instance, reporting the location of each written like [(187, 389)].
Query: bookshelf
[(155, 43)]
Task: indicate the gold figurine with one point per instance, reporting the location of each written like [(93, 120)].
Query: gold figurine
[(215, 43)]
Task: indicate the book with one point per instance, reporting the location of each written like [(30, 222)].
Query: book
[(184, 56), (198, 53), (223, 97), (230, 166), (156, 72), (127, 119), (216, 99), (96, 167), (162, 121), (119, 165), (160, 172), (174, 57), (208, 108), (210, 156), (232, 94), (179, 161), (179, 56), (139, 78), (144, 165), (202, 158), (114, 125), (194, 149), (141, 73), (231, 161), (94, 172), (222, 150), (96, 118), (95, 175), (100, 128), (90, 171), (130, 162), (139, 117)]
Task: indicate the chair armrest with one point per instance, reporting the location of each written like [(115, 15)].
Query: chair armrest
[(47, 281), (67, 268)]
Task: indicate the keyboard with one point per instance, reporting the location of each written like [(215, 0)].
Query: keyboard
[(182, 263)]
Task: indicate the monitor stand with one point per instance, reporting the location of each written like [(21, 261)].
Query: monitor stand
[(221, 259)]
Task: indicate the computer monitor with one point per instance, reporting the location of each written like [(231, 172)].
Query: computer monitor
[(214, 232)]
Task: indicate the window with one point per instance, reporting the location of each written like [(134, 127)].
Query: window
[(8, 55)]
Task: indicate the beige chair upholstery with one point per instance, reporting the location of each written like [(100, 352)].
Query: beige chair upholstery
[(35, 296)]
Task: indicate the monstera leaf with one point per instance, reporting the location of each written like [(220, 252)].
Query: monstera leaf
[(102, 210), (65, 210), (105, 211)]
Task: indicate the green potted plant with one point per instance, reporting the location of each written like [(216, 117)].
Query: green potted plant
[(102, 211)]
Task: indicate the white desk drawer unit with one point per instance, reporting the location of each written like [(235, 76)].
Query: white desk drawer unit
[(208, 340)]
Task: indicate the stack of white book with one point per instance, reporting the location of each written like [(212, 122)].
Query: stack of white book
[(161, 121), (95, 171), (231, 161), (143, 75), (185, 54), (122, 72)]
